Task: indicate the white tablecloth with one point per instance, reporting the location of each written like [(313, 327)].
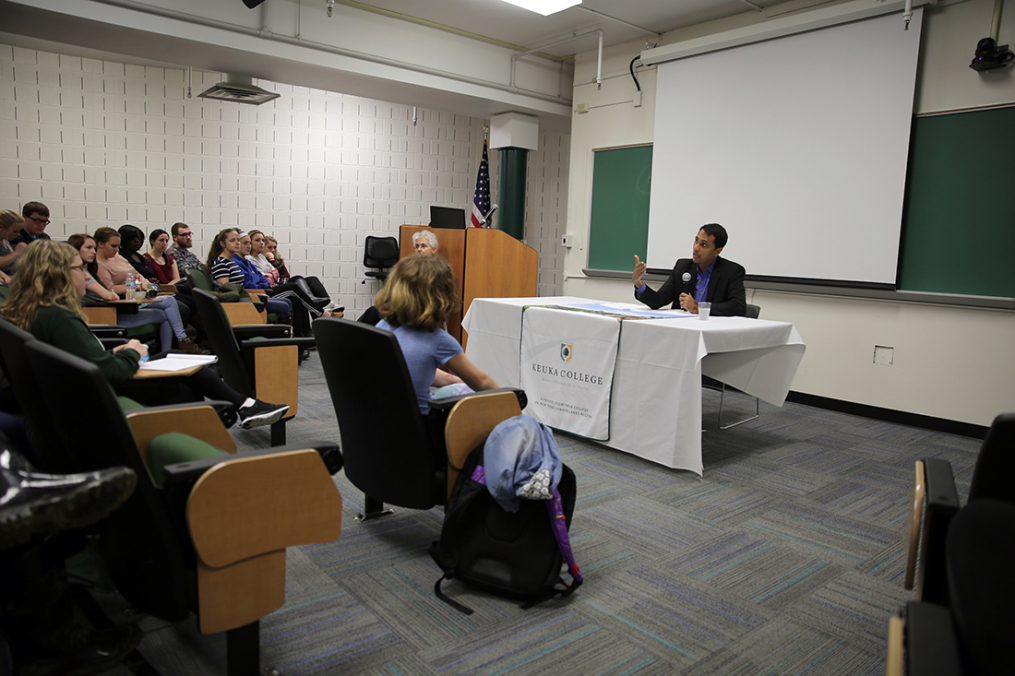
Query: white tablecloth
[(656, 400)]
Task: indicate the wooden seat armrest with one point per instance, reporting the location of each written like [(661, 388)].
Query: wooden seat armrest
[(248, 331), (167, 288), (199, 421), (895, 650), (101, 331), (304, 343), (448, 403), (931, 645), (243, 313), (470, 423), (914, 524), (252, 505), (276, 371), (939, 504), (100, 314)]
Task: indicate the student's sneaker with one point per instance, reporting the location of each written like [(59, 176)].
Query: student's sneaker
[(260, 413)]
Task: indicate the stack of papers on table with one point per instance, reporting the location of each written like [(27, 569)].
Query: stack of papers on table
[(178, 362)]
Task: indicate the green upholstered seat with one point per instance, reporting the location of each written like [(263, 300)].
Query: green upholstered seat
[(174, 447)]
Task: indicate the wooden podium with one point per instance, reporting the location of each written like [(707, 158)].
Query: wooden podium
[(487, 264)]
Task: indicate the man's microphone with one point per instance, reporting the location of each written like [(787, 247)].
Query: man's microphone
[(687, 282)]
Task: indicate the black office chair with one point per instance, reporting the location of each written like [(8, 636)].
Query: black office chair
[(379, 254), (207, 534), (753, 312), (392, 452)]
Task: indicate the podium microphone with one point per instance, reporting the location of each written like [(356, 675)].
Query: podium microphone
[(488, 215), (687, 282)]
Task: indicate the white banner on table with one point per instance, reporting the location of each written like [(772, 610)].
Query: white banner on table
[(567, 363)]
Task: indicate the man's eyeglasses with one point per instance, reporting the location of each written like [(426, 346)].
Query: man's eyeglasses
[(40, 221)]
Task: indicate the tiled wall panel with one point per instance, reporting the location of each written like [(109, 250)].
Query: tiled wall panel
[(105, 143)]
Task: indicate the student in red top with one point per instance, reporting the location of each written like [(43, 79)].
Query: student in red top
[(164, 265)]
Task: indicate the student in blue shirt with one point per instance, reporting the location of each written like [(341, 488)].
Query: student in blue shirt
[(223, 269), (311, 309), (414, 304)]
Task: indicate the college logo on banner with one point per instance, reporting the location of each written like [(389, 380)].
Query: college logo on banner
[(569, 383)]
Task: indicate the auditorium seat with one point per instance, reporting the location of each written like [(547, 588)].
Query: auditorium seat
[(393, 453), (205, 531)]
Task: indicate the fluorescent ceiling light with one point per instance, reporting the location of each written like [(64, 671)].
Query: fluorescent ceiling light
[(544, 7)]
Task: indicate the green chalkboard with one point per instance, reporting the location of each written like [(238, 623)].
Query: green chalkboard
[(621, 181), (958, 232)]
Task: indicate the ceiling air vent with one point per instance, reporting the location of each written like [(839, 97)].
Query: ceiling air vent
[(240, 91)]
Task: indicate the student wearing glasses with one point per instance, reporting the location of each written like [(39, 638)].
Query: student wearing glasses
[(183, 242), (36, 219), (46, 300)]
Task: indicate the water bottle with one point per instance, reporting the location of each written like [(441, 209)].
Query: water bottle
[(138, 287), (130, 295)]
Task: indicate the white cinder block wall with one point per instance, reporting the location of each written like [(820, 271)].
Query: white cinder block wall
[(103, 143), (546, 208)]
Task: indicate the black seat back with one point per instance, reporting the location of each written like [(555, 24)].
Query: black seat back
[(386, 444), (39, 423), (223, 342), (995, 465), (148, 552)]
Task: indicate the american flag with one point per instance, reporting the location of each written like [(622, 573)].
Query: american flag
[(481, 204)]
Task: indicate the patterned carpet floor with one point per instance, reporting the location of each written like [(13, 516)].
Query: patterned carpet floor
[(785, 558)]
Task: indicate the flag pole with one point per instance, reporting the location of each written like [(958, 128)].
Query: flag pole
[(481, 199)]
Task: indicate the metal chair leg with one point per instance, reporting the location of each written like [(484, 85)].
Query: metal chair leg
[(243, 650), (722, 396), (373, 509), (278, 432)]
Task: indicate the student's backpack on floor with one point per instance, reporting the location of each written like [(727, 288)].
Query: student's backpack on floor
[(518, 555)]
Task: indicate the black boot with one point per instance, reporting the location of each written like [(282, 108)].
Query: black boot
[(34, 503)]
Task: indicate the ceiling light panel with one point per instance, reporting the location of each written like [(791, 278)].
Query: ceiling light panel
[(544, 7)]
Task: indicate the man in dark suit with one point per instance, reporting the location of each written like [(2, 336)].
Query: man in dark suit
[(713, 279)]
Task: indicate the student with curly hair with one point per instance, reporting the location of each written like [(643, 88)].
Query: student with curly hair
[(414, 304), (45, 300)]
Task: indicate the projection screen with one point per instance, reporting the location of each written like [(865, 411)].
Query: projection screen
[(797, 145)]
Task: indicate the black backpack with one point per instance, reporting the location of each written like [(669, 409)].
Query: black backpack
[(518, 555)]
